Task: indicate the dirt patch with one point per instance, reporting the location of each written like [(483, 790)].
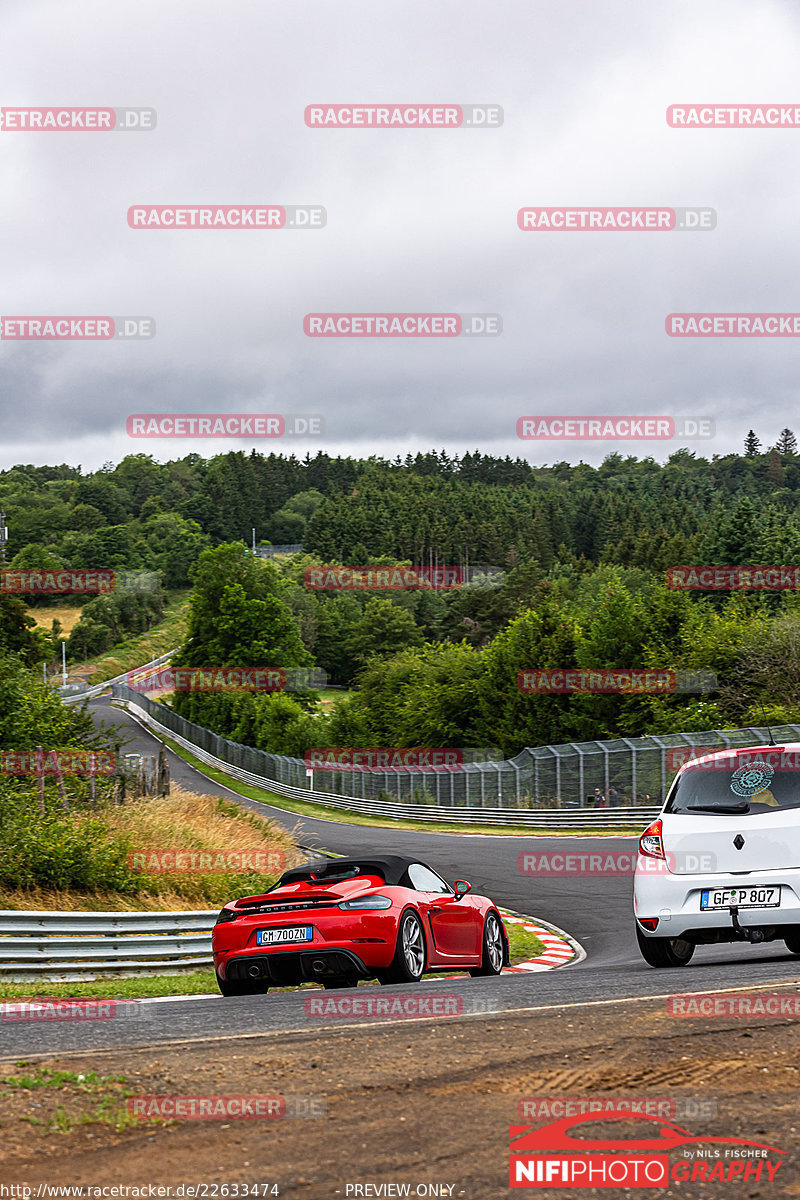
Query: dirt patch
[(419, 1103)]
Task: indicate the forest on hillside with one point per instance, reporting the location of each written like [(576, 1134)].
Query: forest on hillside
[(476, 508), (581, 554)]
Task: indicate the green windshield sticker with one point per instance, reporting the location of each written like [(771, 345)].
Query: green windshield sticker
[(752, 779)]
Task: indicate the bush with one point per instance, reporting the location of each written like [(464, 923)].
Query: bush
[(58, 850), (89, 638)]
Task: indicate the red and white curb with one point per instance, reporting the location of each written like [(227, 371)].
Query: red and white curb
[(560, 949)]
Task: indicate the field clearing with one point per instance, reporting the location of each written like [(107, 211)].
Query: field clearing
[(67, 614)]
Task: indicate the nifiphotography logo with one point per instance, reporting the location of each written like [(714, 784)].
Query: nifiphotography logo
[(564, 1154)]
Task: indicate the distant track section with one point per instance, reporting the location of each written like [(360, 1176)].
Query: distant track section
[(90, 693), (535, 819)]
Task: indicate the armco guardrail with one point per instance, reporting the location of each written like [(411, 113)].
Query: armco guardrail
[(96, 689), (395, 810), (82, 945)]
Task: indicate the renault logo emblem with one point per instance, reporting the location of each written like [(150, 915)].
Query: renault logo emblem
[(738, 841)]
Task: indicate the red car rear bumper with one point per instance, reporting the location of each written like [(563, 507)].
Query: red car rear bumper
[(345, 943)]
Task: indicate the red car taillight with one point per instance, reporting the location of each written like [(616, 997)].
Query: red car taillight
[(651, 842), (226, 914)]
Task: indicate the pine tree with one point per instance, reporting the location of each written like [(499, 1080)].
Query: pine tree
[(752, 445), (775, 468), (786, 443)]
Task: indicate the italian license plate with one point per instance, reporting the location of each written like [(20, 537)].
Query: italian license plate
[(746, 897), (279, 937)]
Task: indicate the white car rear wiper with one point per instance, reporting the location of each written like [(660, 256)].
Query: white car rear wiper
[(742, 807)]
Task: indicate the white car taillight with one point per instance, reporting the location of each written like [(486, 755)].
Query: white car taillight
[(651, 843)]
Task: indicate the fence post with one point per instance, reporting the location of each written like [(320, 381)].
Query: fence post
[(632, 749), (163, 773), (581, 777), (60, 784), (40, 778)]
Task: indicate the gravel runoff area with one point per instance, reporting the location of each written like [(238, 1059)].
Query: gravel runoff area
[(409, 1103)]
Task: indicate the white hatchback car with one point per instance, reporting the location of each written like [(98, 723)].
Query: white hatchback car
[(722, 862)]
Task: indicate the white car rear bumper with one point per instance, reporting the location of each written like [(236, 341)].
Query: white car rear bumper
[(675, 901)]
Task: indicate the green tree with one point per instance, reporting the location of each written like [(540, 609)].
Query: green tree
[(18, 632), (384, 628), (786, 443), (175, 544), (513, 718), (751, 444), (237, 615)]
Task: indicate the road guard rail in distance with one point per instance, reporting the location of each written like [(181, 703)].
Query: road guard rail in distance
[(541, 787), (65, 946), (90, 692), (170, 723)]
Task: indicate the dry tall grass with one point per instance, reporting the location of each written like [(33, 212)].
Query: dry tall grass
[(183, 820)]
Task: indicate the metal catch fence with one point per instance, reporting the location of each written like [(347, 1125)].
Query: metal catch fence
[(597, 782)]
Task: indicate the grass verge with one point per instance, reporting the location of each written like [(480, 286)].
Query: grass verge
[(59, 1102)]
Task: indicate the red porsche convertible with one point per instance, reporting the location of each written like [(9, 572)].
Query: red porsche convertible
[(339, 921)]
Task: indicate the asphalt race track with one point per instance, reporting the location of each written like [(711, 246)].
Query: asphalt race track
[(594, 910)]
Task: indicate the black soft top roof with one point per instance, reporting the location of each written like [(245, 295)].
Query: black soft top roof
[(392, 868)]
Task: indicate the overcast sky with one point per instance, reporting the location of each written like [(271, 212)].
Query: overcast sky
[(417, 220)]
